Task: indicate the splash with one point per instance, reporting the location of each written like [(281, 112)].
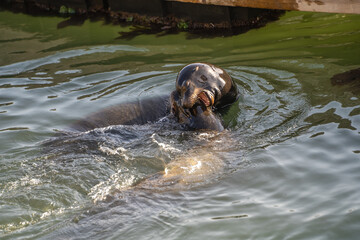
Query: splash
[(117, 151), (164, 146)]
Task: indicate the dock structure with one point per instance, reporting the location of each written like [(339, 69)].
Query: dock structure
[(160, 7), (331, 6), (185, 14)]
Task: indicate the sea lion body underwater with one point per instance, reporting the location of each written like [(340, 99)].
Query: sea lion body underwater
[(201, 91)]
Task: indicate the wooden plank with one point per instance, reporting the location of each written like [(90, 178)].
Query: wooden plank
[(150, 7), (332, 6), (199, 13)]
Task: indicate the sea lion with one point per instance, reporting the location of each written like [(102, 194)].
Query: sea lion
[(201, 90), (203, 83)]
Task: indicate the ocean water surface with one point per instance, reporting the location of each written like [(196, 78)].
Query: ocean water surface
[(286, 167)]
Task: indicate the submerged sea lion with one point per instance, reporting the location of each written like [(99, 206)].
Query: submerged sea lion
[(201, 90), (184, 171)]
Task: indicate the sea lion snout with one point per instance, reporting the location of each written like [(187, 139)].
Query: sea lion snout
[(194, 95), (189, 95)]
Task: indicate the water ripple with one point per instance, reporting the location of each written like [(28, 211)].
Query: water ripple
[(20, 67)]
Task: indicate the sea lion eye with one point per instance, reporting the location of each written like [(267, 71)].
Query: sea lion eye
[(203, 79)]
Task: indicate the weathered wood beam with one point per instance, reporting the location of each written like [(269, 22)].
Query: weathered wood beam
[(332, 6)]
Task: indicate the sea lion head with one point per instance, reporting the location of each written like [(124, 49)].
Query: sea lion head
[(205, 84)]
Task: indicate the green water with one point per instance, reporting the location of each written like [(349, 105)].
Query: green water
[(290, 156)]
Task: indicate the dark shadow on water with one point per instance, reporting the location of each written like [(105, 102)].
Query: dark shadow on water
[(158, 26), (200, 30), (77, 20), (192, 34), (160, 30), (346, 77), (349, 80), (138, 30)]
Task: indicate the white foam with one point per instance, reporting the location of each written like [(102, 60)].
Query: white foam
[(22, 182), (117, 181), (117, 151), (164, 146), (206, 135)]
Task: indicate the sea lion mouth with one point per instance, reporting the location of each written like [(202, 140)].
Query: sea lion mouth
[(206, 98)]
